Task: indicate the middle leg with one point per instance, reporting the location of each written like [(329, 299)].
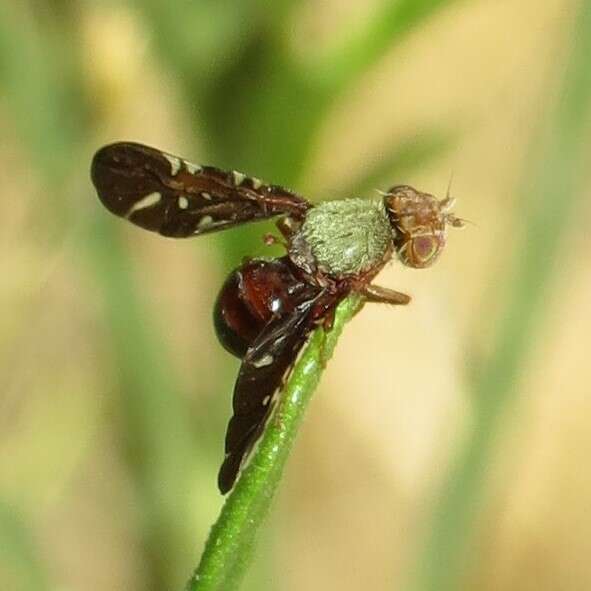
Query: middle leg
[(382, 295)]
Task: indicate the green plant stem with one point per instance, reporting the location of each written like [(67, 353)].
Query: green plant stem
[(231, 540)]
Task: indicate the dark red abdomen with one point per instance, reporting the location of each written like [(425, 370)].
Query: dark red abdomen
[(252, 295)]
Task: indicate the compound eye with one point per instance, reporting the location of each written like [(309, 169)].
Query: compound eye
[(425, 250), (420, 251)]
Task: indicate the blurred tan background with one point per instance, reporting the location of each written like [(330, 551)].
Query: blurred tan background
[(447, 445)]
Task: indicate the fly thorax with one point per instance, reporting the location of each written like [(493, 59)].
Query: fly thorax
[(347, 237)]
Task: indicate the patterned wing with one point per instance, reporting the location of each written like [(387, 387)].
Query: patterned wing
[(168, 195), (264, 369)]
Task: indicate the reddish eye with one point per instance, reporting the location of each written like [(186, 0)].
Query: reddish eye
[(424, 250), (420, 251), (424, 246)]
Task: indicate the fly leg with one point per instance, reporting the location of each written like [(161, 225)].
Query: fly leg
[(326, 308), (287, 226), (382, 295)]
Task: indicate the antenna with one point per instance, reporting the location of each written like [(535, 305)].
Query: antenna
[(451, 178)]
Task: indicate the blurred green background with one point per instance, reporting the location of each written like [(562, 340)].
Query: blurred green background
[(448, 444)]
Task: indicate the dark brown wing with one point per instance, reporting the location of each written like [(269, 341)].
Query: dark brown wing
[(169, 195), (264, 369)]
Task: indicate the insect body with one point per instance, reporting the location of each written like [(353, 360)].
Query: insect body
[(267, 308)]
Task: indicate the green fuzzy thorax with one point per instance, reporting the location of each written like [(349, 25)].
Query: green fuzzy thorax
[(348, 237)]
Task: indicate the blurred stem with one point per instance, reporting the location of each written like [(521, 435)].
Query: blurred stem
[(156, 434), (400, 159), (37, 85), (393, 19), (291, 107), (230, 544), (550, 194), (20, 558), (284, 102)]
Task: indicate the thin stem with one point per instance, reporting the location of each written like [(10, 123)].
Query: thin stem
[(232, 537)]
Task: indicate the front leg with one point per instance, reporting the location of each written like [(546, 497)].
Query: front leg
[(382, 295)]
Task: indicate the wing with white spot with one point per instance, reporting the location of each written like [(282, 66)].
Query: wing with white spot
[(264, 369), (168, 195)]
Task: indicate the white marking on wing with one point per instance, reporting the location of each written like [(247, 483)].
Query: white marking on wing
[(237, 177), (175, 163), (263, 361), (193, 168), (148, 201), (205, 222)]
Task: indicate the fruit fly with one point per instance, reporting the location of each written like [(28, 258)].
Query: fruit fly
[(267, 308)]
